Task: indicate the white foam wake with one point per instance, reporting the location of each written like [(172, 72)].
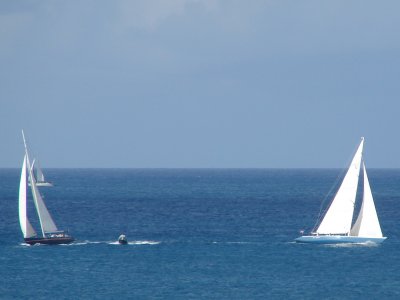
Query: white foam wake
[(233, 243), (144, 243), (351, 245), (136, 243)]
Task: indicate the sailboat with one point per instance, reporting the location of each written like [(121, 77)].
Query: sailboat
[(50, 233), (39, 176), (336, 225)]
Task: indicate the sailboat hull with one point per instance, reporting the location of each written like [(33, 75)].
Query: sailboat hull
[(49, 241), (43, 183), (338, 239)]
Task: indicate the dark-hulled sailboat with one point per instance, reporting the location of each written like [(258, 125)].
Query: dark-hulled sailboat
[(50, 233)]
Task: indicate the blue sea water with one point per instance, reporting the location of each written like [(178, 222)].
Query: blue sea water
[(195, 234)]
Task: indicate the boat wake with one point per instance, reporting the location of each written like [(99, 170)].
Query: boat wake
[(87, 242), (144, 243), (136, 243), (352, 245), (235, 243)]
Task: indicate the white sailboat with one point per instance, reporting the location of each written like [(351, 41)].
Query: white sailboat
[(50, 233), (38, 173), (336, 226)]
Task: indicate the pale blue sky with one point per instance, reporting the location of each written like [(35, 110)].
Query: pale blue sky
[(190, 83)]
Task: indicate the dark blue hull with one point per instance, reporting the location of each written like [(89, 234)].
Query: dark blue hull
[(49, 241)]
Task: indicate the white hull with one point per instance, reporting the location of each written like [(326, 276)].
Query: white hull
[(338, 239)]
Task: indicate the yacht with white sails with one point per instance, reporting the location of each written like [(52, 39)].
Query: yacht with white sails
[(336, 225), (50, 233)]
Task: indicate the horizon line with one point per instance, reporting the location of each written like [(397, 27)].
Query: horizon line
[(205, 168)]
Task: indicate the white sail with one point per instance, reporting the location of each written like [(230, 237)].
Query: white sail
[(26, 227), (367, 223), (39, 174), (339, 216), (46, 222)]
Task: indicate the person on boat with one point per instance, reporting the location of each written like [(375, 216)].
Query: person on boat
[(122, 239)]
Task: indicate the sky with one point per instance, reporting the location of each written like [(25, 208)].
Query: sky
[(199, 84)]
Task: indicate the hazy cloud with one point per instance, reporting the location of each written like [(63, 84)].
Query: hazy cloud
[(161, 79), (11, 25), (150, 14)]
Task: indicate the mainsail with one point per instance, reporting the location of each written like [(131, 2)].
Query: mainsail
[(26, 227), (339, 216), (367, 223)]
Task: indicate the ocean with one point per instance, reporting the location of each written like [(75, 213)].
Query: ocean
[(195, 234)]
